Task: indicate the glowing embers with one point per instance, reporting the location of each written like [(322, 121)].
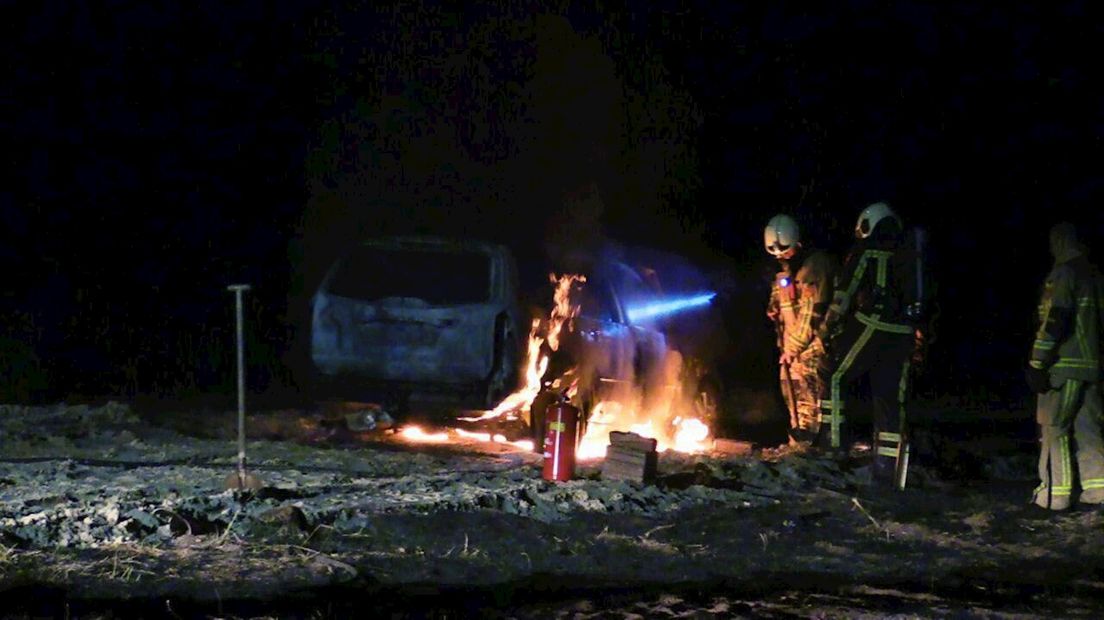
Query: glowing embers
[(415, 434)]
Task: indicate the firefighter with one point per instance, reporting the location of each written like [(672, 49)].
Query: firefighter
[(800, 294), (871, 329), (1064, 370)]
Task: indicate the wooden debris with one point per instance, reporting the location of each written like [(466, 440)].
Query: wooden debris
[(632, 440), (732, 446), (630, 457)]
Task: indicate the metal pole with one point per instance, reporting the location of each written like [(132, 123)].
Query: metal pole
[(238, 289)]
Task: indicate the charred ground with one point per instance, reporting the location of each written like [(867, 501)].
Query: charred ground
[(110, 510)]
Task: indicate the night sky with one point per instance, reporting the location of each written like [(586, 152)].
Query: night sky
[(159, 151)]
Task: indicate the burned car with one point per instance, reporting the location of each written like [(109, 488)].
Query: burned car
[(419, 317), (643, 328)]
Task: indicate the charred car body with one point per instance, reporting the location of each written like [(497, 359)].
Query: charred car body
[(624, 337), (419, 317)]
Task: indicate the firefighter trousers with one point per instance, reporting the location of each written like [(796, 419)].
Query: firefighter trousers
[(882, 352), (801, 390), (1070, 418)]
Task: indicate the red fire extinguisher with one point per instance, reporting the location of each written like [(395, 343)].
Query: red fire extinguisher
[(560, 431)]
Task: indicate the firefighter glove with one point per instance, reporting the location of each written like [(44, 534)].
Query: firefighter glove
[(1037, 379)]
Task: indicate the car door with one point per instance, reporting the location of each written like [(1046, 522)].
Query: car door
[(648, 344)]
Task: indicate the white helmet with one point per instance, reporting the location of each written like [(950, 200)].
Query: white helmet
[(871, 216), (781, 235)]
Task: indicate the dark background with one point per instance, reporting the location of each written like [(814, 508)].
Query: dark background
[(159, 151)]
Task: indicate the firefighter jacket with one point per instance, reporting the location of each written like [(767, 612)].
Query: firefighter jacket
[(799, 298), (1067, 342), (876, 285)]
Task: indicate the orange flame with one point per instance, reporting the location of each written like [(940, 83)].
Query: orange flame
[(415, 433), (526, 445), (535, 363), (660, 419), (563, 310), (663, 418)]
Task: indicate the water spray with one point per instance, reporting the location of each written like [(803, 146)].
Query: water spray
[(670, 306)]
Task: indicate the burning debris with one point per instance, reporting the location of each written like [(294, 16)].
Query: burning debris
[(614, 395), (541, 333)]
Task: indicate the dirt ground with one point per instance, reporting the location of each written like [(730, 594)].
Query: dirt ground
[(110, 511)]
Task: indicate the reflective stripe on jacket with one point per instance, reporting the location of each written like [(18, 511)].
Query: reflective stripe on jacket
[(873, 289), (1067, 342), (798, 301)]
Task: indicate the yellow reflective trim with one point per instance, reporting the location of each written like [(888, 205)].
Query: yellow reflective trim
[(1077, 363), (557, 426), (884, 451), (882, 270), (857, 277), (1093, 483), (1067, 477), (795, 338), (1082, 343), (902, 464), (837, 403), (1067, 398), (884, 436), (873, 321)]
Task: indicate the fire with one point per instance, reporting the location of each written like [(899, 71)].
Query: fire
[(415, 433), (690, 436), (563, 310), (495, 438), (663, 418), (536, 362)]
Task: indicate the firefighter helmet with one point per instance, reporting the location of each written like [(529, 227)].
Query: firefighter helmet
[(781, 236), (871, 217)]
